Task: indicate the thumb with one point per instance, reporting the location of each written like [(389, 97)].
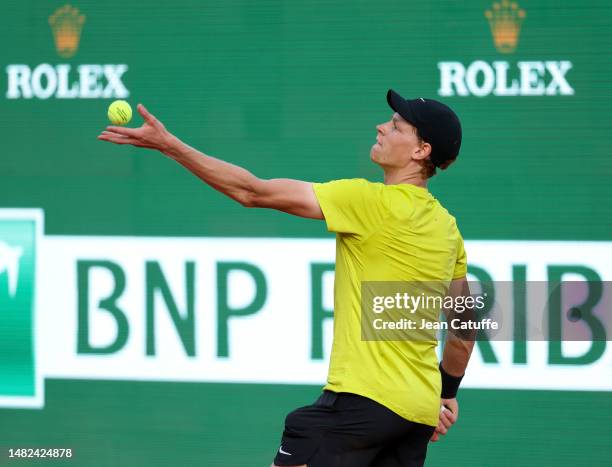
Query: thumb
[(148, 116)]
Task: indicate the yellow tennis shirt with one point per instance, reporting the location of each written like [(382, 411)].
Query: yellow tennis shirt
[(387, 233)]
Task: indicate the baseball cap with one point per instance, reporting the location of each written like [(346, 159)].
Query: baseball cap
[(437, 124)]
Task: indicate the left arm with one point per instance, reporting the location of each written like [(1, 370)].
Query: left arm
[(457, 351)]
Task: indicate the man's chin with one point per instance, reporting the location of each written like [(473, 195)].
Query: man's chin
[(374, 155)]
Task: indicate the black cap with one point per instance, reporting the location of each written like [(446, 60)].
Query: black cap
[(437, 124)]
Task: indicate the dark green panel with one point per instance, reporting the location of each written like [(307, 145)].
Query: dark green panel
[(135, 423)]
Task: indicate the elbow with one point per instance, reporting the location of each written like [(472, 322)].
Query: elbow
[(249, 196), (243, 196), (247, 200), (252, 196)]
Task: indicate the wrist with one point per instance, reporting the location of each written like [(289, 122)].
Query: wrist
[(450, 384), (172, 147)]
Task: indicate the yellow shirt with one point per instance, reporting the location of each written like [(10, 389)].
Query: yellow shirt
[(387, 233)]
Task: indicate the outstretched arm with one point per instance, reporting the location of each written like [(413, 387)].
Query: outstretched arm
[(292, 196)]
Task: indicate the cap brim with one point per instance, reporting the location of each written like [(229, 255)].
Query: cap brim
[(401, 106)]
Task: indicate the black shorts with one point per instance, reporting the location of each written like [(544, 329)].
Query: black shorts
[(347, 430)]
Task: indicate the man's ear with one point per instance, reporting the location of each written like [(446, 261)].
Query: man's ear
[(423, 152)]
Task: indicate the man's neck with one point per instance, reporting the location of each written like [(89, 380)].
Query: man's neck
[(397, 178)]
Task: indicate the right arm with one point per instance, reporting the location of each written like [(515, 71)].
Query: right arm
[(291, 196)]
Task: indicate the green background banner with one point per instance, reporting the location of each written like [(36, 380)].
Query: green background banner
[(295, 89)]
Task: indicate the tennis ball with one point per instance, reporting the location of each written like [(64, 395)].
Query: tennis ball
[(119, 113)]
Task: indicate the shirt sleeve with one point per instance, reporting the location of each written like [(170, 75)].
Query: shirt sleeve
[(461, 263), (354, 206)]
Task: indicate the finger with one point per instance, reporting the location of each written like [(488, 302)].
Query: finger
[(148, 116), (116, 135), (112, 139), (445, 417), (451, 404), (449, 416), (441, 428), (435, 437), (117, 139), (445, 420), (123, 131)]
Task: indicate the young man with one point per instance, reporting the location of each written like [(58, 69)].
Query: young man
[(384, 400)]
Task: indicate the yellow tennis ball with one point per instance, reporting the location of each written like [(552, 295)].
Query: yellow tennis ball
[(119, 113)]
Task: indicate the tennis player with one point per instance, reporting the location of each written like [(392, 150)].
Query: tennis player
[(384, 400)]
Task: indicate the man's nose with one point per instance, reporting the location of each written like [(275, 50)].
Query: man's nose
[(380, 128)]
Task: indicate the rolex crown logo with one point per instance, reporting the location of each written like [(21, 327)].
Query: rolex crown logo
[(505, 19), (66, 24)]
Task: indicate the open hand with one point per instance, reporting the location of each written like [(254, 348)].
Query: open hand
[(152, 134)]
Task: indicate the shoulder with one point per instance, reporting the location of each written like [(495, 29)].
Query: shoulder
[(356, 182), (349, 186)]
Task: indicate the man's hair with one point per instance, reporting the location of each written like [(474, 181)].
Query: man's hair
[(429, 168)]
